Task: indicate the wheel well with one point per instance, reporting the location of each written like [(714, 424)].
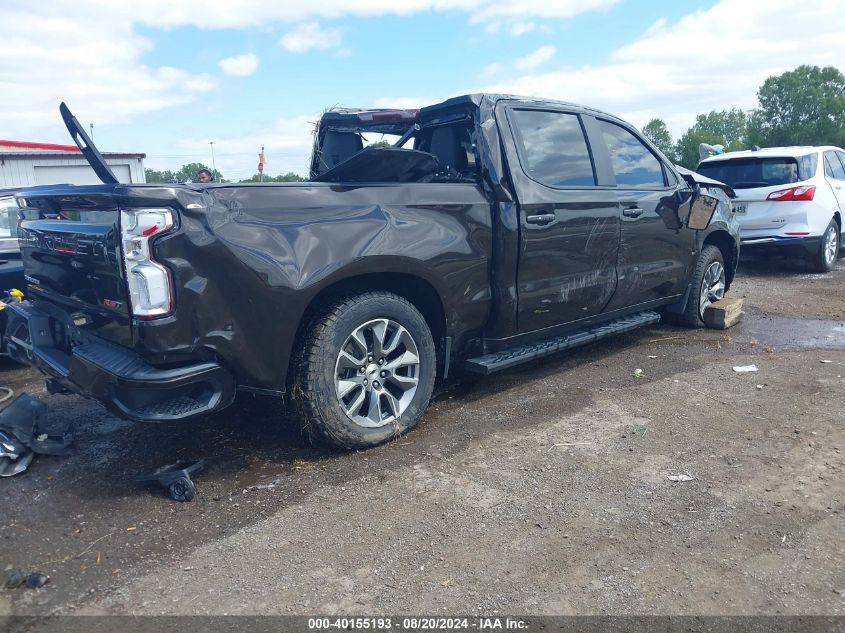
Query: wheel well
[(838, 219), (725, 243), (419, 292)]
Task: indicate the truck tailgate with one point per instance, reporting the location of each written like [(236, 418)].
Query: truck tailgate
[(72, 257)]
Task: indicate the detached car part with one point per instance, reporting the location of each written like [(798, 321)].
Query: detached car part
[(175, 478)]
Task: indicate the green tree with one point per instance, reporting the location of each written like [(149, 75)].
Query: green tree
[(657, 132), (186, 173), (288, 177), (153, 175), (805, 106), (725, 127), (189, 172)]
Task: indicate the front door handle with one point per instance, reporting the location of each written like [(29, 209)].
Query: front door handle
[(543, 218), (632, 212)]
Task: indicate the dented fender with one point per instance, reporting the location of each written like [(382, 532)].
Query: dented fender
[(249, 261)]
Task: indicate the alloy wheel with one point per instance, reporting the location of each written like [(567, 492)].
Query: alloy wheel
[(830, 245), (712, 286), (377, 373)]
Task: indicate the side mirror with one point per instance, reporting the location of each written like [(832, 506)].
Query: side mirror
[(702, 209)]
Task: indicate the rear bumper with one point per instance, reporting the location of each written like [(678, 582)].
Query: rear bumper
[(114, 375), (797, 246)]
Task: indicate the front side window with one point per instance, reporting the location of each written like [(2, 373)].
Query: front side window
[(633, 162), (552, 148)]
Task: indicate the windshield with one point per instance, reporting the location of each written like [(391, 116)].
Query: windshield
[(8, 217), (748, 173)]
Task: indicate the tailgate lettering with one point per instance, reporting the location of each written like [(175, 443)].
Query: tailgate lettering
[(68, 245)]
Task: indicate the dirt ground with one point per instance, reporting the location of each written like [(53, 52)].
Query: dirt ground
[(543, 490)]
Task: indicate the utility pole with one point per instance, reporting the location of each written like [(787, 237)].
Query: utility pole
[(213, 165)]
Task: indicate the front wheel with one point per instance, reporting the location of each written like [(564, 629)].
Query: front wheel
[(366, 370), (708, 286), (828, 249)]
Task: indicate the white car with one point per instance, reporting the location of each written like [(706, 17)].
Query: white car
[(788, 198)]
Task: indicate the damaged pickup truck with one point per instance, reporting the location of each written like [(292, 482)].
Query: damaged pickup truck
[(496, 230)]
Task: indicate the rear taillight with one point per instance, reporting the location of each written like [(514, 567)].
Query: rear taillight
[(794, 193), (150, 285)]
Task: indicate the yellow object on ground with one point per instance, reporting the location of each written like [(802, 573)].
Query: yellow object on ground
[(14, 293)]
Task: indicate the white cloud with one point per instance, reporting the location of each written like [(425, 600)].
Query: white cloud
[(311, 35), (240, 65), (518, 29), (92, 55), (535, 59), (709, 60), (57, 56), (491, 70), (215, 14), (520, 9), (520, 64)]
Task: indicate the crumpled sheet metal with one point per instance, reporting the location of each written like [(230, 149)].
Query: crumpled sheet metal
[(10, 446), (25, 431), (10, 466)]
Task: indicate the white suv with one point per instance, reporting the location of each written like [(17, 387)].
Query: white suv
[(787, 198)]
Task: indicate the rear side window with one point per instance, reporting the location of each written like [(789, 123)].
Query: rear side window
[(633, 163), (833, 167), (807, 165), (749, 173), (552, 148)]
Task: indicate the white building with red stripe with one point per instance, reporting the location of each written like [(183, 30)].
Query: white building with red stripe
[(24, 164)]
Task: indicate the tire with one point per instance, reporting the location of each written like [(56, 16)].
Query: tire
[(706, 287), (825, 258), (342, 392)]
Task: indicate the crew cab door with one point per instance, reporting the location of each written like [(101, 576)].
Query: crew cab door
[(656, 251), (569, 222)]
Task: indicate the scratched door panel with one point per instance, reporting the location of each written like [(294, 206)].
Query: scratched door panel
[(569, 225)]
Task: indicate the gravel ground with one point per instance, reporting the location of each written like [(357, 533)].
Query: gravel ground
[(543, 490)]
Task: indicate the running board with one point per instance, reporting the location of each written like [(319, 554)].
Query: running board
[(507, 358)]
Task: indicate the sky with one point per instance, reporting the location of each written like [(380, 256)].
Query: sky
[(168, 77)]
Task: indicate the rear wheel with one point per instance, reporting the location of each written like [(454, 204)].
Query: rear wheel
[(366, 370), (708, 286), (825, 258)]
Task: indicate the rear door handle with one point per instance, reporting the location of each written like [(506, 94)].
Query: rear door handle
[(543, 218), (632, 212)]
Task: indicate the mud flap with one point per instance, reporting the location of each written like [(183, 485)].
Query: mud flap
[(680, 305)]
